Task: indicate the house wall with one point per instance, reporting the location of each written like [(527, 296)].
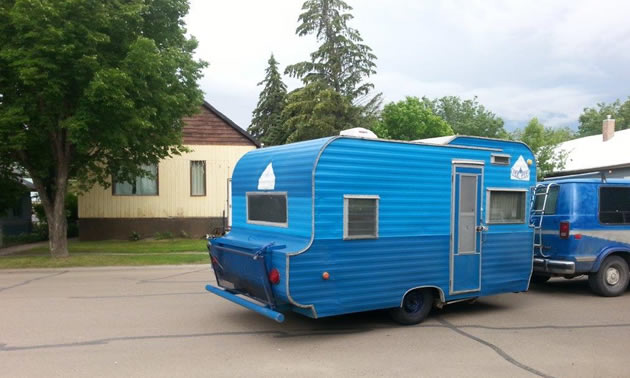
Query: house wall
[(18, 220), (103, 215)]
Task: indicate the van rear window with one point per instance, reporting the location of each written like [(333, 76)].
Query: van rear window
[(614, 205), (267, 208), (552, 199)]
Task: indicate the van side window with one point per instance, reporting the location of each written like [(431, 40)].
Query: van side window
[(360, 217), (267, 208), (614, 205), (552, 199), (506, 206)]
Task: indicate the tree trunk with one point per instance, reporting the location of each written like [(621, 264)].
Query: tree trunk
[(58, 229)]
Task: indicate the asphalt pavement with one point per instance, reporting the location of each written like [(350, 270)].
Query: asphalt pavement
[(160, 322)]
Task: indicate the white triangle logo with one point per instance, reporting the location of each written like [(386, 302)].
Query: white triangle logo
[(267, 180), (520, 170)]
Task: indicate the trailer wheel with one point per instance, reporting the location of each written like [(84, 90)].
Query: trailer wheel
[(612, 278), (415, 307), (540, 278)]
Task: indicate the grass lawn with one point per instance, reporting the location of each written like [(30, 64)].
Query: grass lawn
[(113, 253)]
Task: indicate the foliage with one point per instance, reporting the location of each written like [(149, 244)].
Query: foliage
[(467, 117), (72, 216), (23, 238), (163, 235), (12, 190), (543, 142), (341, 62), (313, 112), (591, 118), (92, 87), (410, 119), (335, 95), (271, 102), (135, 236)]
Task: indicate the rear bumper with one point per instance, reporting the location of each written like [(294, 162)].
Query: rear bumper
[(265, 311), (553, 266)]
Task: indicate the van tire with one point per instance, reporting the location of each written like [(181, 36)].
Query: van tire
[(611, 280), (415, 307), (540, 278)]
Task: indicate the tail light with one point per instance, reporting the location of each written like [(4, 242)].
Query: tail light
[(564, 230), (274, 276)]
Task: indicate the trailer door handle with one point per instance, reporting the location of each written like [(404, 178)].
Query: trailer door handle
[(481, 228)]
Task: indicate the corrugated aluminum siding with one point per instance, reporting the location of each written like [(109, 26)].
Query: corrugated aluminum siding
[(414, 185)]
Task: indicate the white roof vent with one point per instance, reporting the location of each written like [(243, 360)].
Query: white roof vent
[(359, 132)]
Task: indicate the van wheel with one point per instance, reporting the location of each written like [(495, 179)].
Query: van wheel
[(540, 278), (415, 307), (612, 278)]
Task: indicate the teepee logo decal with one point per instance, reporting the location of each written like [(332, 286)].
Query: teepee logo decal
[(520, 170), (267, 180)]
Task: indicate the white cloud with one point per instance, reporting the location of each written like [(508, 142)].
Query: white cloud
[(521, 58)]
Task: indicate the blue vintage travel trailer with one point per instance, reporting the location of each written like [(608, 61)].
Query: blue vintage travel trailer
[(582, 226), (340, 225)]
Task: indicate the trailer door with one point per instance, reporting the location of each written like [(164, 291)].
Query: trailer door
[(466, 227)]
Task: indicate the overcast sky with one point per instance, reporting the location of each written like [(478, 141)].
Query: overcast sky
[(523, 59)]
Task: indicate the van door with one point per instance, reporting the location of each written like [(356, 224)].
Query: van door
[(466, 227)]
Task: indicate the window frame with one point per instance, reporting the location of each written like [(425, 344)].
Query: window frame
[(494, 156), (488, 204), (205, 189), (346, 214), (265, 223), (599, 204), (157, 186)]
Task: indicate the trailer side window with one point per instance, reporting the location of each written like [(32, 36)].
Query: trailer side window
[(267, 208), (360, 217), (506, 206), (614, 205)]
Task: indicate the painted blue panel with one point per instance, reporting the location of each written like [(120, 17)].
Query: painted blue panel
[(466, 272), (578, 204), (413, 182)]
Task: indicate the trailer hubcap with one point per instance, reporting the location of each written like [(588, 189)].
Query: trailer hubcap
[(413, 302), (612, 276)]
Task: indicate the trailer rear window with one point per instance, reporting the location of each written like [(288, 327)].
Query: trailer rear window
[(506, 206), (614, 205), (360, 213), (268, 209)]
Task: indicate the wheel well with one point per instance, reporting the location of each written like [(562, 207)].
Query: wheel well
[(623, 254), (435, 290)]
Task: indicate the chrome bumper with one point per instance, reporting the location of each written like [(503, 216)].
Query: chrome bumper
[(553, 266)]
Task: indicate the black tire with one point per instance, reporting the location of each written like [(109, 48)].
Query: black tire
[(415, 307), (612, 278), (540, 278)]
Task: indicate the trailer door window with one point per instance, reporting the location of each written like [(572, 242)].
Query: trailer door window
[(360, 213), (614, 205), (506, 206), (267, 208)]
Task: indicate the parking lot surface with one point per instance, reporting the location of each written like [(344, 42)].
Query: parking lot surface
[(160, 322)]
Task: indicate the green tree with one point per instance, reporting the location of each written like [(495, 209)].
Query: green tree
[(543, 142), (271, 102), (410, 119), (92, 87), (467, 117), (591, 118), (340, 64), (315, 111)]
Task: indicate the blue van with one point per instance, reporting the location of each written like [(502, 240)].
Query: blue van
[(343, 224), (582, 226)]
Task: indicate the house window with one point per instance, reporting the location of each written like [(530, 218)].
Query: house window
[(614, 205), (139, 186), (197, 178), (552, 199), (360, 217), (506, 206), (267, 208)]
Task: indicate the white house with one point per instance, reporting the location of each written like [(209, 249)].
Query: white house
[(607, 153)]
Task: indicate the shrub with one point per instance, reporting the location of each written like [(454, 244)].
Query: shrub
[(164, 235), (134, 236)]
